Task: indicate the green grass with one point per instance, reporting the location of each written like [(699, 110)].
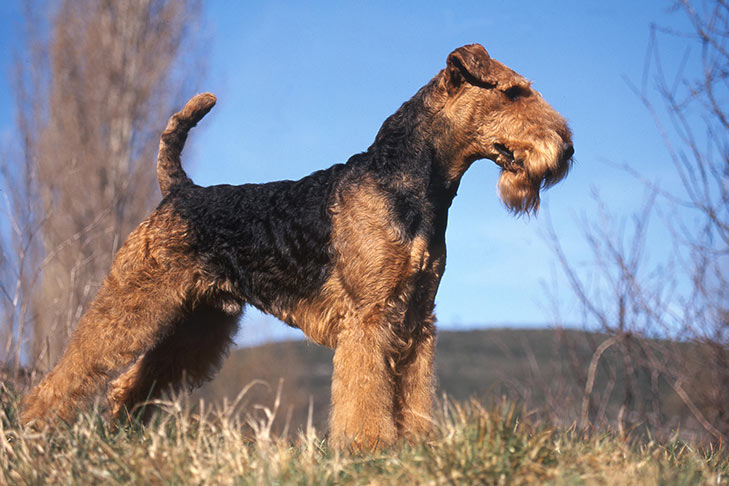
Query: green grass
[(470, 445)]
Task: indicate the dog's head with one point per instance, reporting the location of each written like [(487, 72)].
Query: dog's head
[(494, 113)]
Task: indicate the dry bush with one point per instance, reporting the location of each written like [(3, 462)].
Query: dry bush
[(666, 317)]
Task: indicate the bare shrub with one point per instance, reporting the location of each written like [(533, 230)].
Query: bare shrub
[(666, 321)]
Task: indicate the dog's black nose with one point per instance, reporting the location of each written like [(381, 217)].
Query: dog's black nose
[(567, 150)]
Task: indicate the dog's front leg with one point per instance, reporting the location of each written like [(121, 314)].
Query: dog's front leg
[(362, 413), (417, 384)]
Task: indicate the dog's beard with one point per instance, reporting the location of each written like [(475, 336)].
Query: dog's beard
[(518, 192)]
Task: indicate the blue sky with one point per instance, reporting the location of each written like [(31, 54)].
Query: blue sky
[(303, 85)]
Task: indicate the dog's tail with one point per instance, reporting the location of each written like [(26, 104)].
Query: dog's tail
[(169, 165)]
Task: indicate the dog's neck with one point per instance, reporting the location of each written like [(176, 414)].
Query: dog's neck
[(403, 151)]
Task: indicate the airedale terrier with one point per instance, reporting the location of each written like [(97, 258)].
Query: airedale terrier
[(351, 255)]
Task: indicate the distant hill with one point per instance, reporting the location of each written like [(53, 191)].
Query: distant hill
[(537, 367)]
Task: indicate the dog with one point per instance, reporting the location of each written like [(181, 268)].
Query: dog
[(352, 255)]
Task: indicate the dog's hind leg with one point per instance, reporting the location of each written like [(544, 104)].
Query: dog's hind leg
[(139, 301), (190, 355), (118, 327)]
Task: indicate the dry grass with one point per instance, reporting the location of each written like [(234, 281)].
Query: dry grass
[(470, 445)]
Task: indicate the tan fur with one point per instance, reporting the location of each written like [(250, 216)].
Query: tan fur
[(416, 387)]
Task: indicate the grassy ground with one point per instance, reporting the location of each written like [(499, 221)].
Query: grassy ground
[(470, 445)]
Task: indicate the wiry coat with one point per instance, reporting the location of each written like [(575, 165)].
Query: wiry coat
[(352, 255)]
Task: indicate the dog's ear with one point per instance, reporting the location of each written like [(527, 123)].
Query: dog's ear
[(471, 64)]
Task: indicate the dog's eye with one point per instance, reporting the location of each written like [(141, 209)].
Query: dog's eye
[(516, 92)]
